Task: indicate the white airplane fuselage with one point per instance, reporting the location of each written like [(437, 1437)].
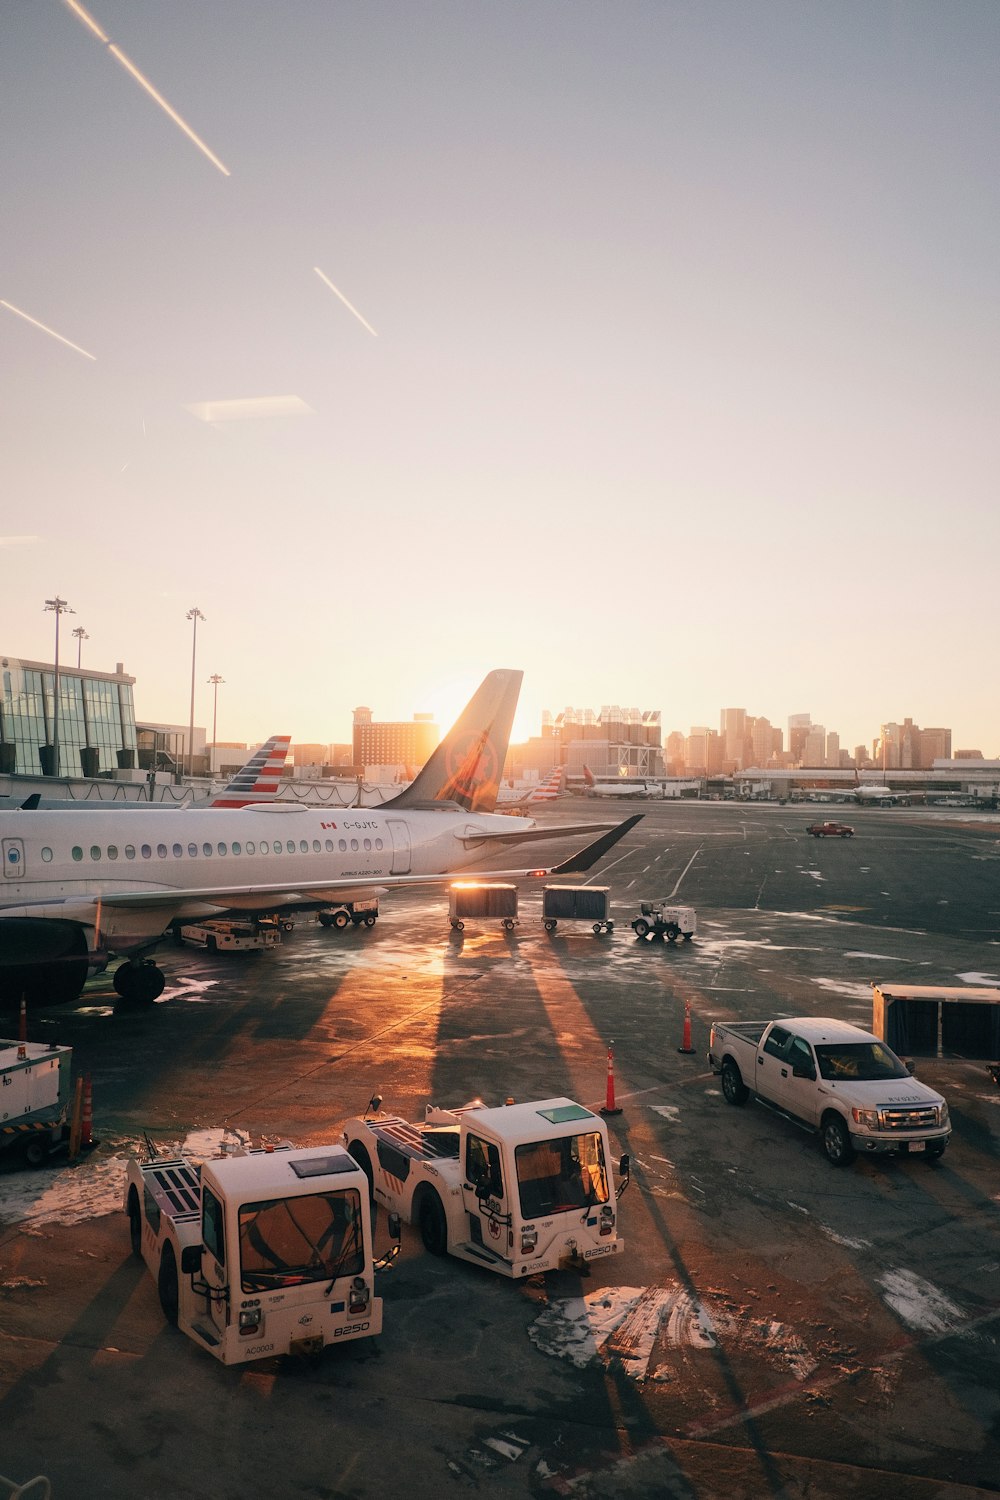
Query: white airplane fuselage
[(94, 869)]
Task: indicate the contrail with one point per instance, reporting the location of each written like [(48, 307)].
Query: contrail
[(50, 331), (344, 300), (131, 68)]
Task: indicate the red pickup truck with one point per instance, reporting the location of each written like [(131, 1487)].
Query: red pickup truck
[(831, 830)]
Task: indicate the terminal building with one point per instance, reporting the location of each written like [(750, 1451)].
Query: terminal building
[(93, 731)]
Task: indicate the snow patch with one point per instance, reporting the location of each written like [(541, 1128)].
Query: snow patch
[(918, 1302)]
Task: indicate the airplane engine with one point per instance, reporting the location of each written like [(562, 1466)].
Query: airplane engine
[(42, 959)]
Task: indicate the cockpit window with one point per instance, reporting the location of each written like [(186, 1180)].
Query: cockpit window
[(289, 1241), (557, 1176)]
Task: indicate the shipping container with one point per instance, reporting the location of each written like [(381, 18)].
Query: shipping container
[(577, 903), (943, 1021), (476, 902)]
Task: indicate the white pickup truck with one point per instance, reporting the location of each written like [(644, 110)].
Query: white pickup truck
[(834, 1079), (520, 1189)]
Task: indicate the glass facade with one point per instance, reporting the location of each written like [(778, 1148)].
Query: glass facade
[(96, 715)]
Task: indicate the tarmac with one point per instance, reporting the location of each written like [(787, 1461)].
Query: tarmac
[(774, 1327)]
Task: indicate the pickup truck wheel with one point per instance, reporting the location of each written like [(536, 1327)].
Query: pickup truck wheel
[(134, 1224), (837, 1142), (433, 1225), (166, 1285), (734, 1089)]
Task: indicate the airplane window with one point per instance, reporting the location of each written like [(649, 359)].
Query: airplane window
[(368, 844), (161, 851), (342, 845), (252, 848), (130, 851), (317, 846), (354, 843), (178, 851), (378, 844), (206, 849), (329, 846), (276, 846), (112, 851), (47, 856), (147, 852), (77, 852), (263, 847), (193, 850), (237, 848), (303, 846), (95, 853), (221, 848)]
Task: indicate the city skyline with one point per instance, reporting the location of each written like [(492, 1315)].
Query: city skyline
[(647, 348)]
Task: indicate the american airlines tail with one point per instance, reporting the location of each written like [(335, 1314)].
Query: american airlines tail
[(260, 778), (467, 765)]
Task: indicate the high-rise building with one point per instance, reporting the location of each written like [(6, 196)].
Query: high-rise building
[(402, 743), (733, 734)]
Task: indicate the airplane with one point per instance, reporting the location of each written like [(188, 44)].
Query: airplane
[(257, 781), (877, 794), (622, 788), (546, 791), (77, 892)]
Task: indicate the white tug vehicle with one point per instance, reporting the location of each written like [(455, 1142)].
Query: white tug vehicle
[(261, 1252), (519, 1189)]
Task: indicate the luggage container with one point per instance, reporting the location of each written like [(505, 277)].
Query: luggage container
[(577, 903), (472, 901)]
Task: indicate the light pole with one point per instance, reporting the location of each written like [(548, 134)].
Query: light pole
[(81, 636), (215, 679), (194, 615), (58, 607)]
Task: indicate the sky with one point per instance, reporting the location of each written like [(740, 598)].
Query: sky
[(648, 346)]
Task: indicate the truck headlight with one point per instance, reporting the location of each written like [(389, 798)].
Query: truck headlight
[(943, 1116), (866, 1117)]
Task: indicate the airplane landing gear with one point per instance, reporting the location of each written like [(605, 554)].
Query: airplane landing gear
[(139, 982)]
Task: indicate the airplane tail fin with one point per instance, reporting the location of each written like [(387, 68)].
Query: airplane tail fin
[(549, 789), (467, 765), (260, 778)]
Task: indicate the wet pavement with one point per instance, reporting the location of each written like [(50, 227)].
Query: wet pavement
[(774, 1327)]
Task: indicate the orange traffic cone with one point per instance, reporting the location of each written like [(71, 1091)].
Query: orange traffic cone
[(686, 1043), (610, 1108)]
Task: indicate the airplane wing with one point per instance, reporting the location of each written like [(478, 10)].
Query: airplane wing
[(248, 897)]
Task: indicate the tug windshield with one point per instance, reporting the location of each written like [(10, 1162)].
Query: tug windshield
[(288, 1241), (558, 1176)]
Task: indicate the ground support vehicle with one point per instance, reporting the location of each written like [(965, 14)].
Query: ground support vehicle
[(478, 901), (34, 1099), (834, 1079), (361, 913), (830, 830), (221, 936), (577, 903), (936, 1020), (519, 1189), (658, 919), (258, 1253), (278, 921)]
